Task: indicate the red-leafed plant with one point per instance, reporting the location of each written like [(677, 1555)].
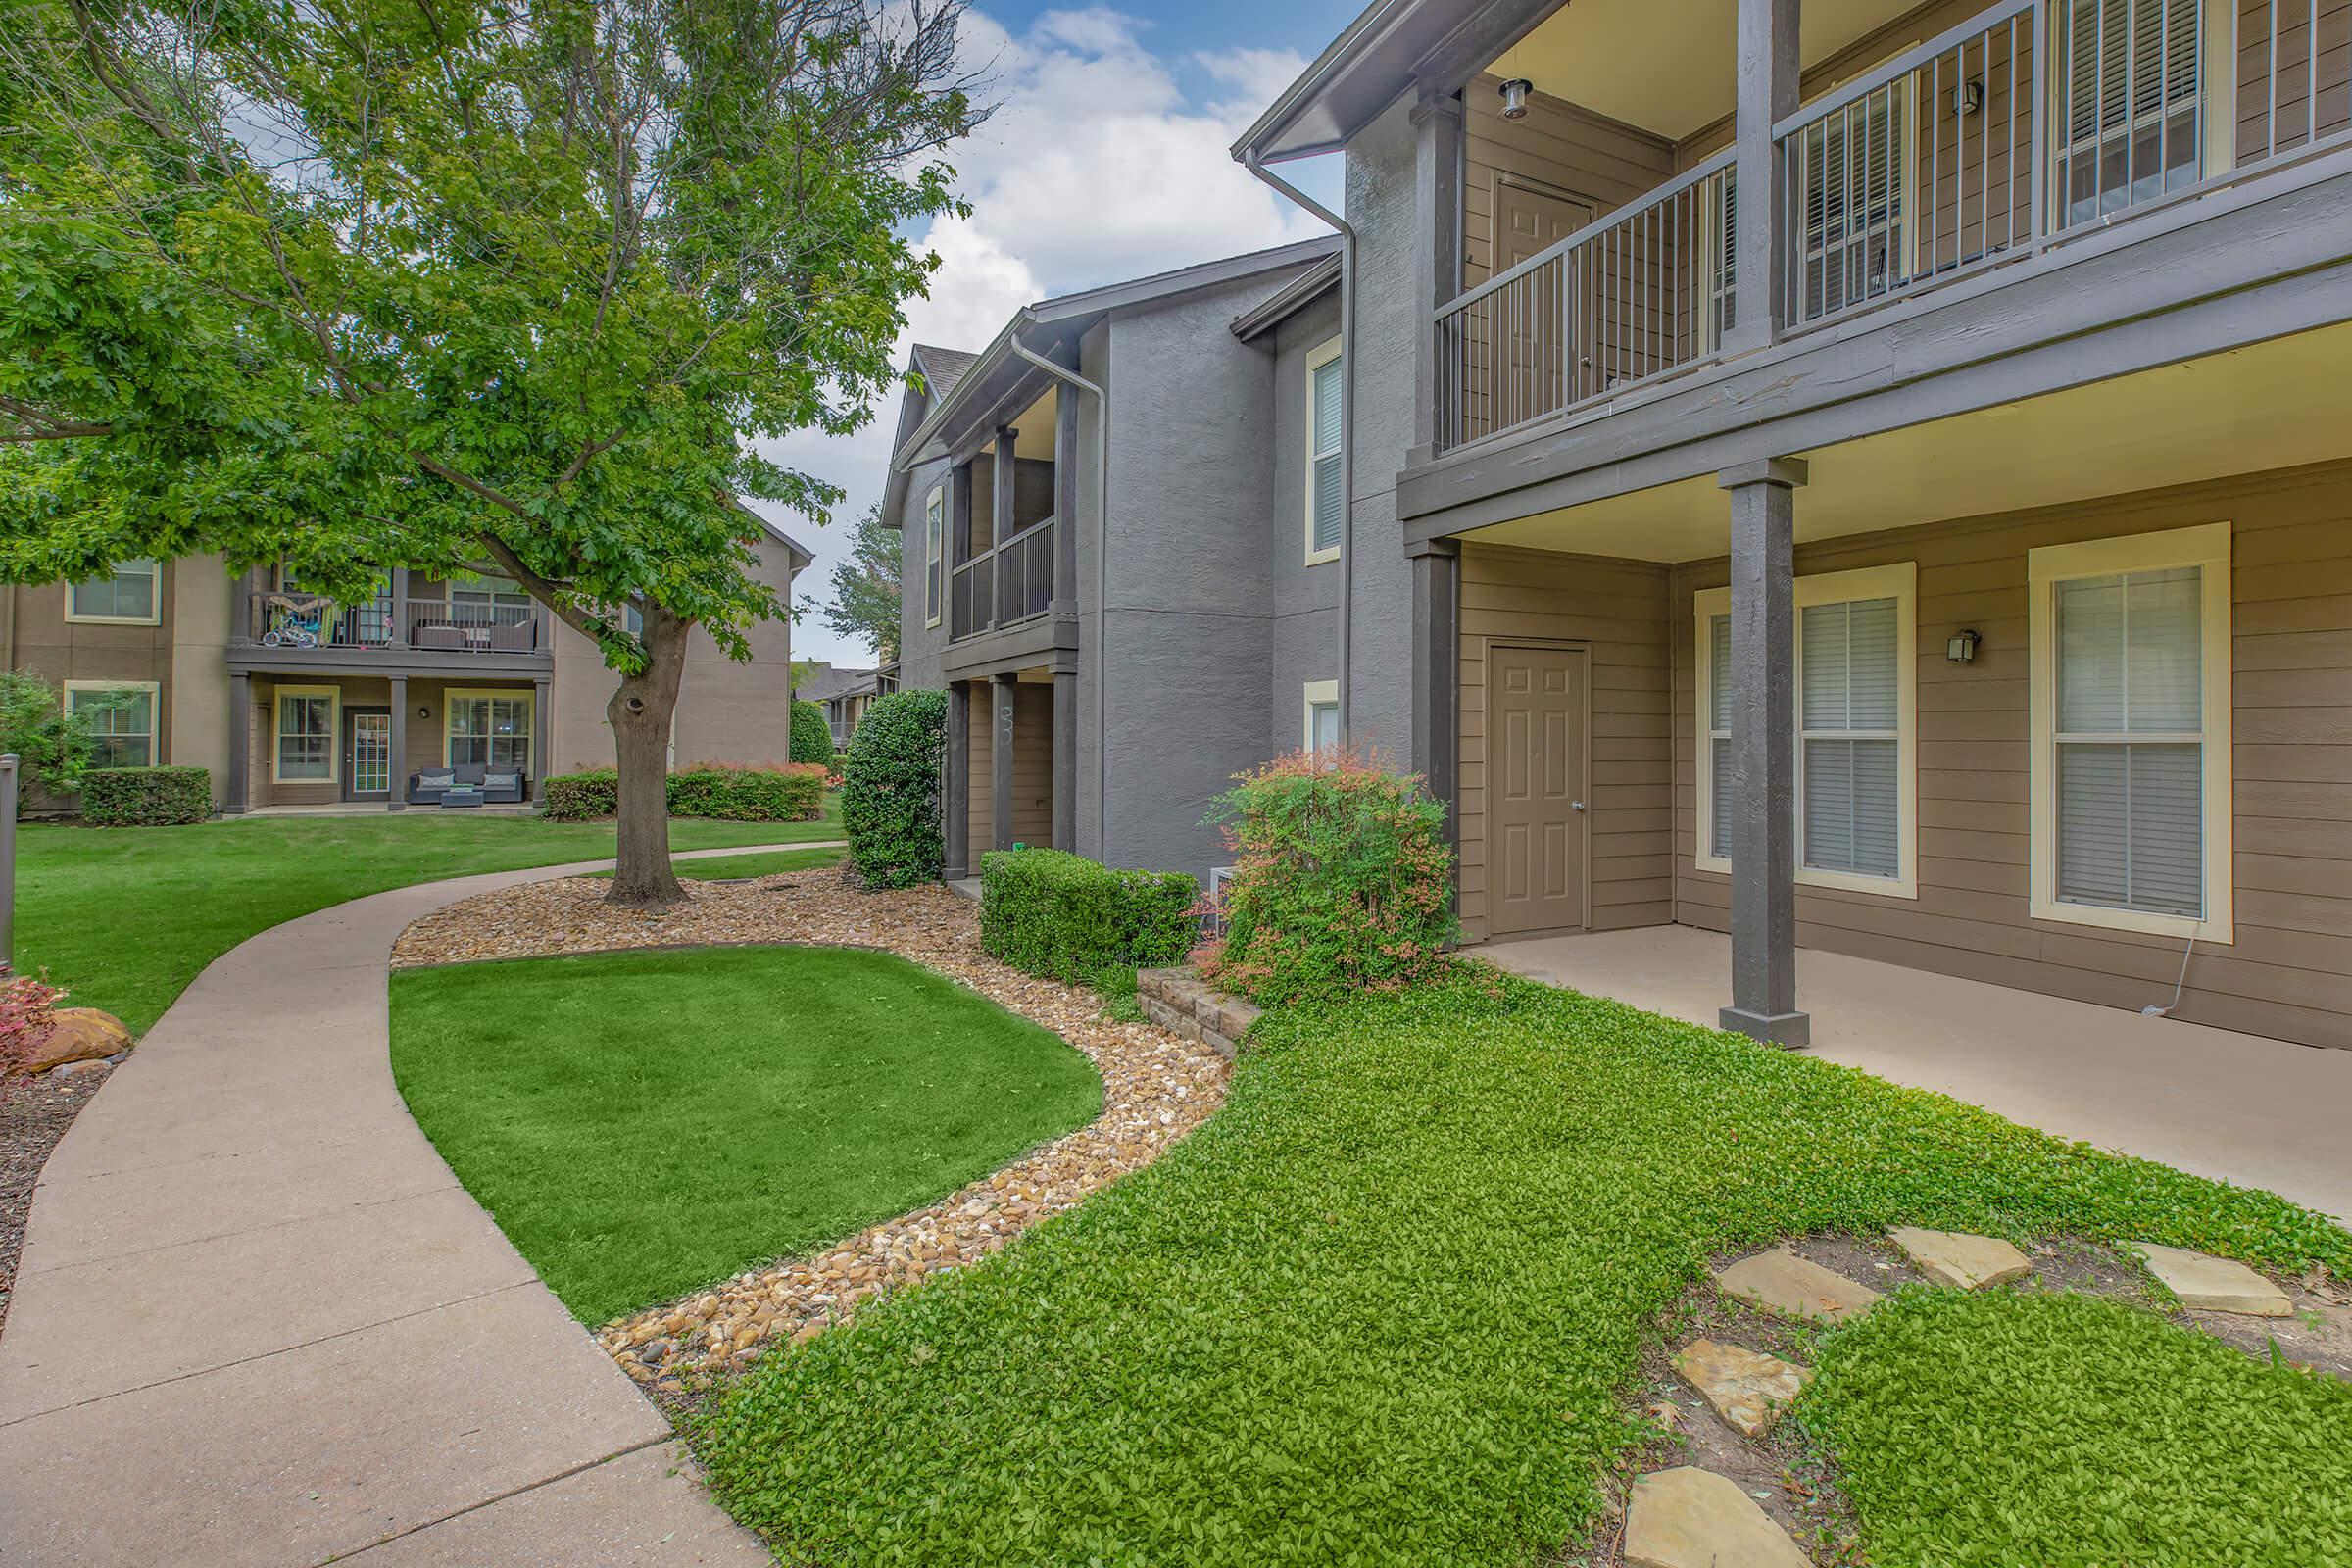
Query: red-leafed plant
[(27, 1011), (1343, 880)]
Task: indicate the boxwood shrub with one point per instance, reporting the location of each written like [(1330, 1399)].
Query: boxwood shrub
[(792, 792), (1065, 918), (146, 797), (811, 736), (890, 808)]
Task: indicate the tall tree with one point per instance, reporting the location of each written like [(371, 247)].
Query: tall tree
[(444, 284), (865, 587)]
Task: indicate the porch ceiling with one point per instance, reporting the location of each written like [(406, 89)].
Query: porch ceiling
[(2271, 405)]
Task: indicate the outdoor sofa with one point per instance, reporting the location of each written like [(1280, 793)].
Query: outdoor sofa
[(499, 786)]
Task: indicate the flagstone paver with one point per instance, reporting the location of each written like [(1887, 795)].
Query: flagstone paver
[(2213, 1284), (1693, 1518), (1748, 1387), (1779, 1280), (1957, 1259)]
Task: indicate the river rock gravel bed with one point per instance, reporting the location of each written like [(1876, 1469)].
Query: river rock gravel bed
[(1155, 1089)]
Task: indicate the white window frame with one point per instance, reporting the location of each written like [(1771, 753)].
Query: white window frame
[(154, 706), (2207, 547), (530, 721), (1898, 581), (935, 539), (1318, 693), (155, 597), (1319, 356), (334, 733)]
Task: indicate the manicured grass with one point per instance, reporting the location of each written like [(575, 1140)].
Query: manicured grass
[(2006, 1429), (125, 917), (645, 1123), (721, 868), (1386, 1306)]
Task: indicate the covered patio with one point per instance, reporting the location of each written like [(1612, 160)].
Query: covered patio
[(2260, 1112)]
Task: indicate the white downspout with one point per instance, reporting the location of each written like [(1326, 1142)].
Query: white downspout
[(1347, 234)]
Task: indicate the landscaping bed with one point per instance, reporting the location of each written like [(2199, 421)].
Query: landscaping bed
[(35, 1114)]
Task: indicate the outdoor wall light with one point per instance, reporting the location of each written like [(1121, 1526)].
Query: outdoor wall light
[(423, 711), (1514, 97), (1967, 97), (1962, 648)]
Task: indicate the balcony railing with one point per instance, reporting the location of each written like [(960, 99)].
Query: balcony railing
[(1009, 584), (305, 620), (2027, 121)]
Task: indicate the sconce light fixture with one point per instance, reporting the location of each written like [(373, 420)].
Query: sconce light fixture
[(1962, 648), (1514, 97), (423, 711), (1967, 97)]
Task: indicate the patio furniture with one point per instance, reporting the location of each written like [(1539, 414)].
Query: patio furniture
[(433, 785), (462, 795)]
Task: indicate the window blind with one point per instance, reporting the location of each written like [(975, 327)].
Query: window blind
[(1849, 699), (2131, 87), (1856, 171), (1326, 396)]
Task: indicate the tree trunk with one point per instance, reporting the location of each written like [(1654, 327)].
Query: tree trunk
[(640, 711)]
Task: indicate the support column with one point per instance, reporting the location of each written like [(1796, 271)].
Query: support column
[(1005, 689), (1767, 92), (1065, 502), (1437, 568), (398, 799), (539, 738), (1764, 753), (955, 799), (240, 794), (1065, 760), (1437, 259)]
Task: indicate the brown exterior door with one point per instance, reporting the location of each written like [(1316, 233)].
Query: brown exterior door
[(1537, 783), (1529, 219), (1527, 222)]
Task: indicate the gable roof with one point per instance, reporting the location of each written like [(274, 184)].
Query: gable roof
[(1289, 300), (942, 367)]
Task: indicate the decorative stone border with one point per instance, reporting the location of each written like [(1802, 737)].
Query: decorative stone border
[(1183, 1004), (1157, 1087)]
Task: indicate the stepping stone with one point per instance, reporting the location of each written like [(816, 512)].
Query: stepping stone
[(1693, 1518), (1779, 1280), (1957, 1259), (2213, 1284), (1748, 1387)]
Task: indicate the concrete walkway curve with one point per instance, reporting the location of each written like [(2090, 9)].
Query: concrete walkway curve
[(257, 1322)]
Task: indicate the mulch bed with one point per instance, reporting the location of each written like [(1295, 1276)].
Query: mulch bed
[(35, 1114), (1155, 1089)]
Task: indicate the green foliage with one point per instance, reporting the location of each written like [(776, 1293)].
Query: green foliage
[(865, 587), (2022, 1427), (51, 745), (889, 806), (645, 1123), (1066, 917), (1388, 1304), (1343, 880), (811, 736), (718, 791), (145, 796)]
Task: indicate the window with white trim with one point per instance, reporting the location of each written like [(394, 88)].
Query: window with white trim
[(2131, 772), (935, 538), (1322, 715), (489, 729), (305, 735), (1325, 406), (121, 720), (132, 593)]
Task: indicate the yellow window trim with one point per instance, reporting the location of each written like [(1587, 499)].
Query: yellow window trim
[(1898, 581), (1320, 693), (334, 733), (1319, 356), (74, 618), (2206, 547), (451, 696), (155, 704)]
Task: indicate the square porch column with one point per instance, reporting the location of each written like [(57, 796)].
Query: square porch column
[(1065, 760), (1763, 805), (1006, 689), (1437, 264), (539, 738), (239, 795), (956, 801), (1767, 92), (396, 798), (1437, 569)]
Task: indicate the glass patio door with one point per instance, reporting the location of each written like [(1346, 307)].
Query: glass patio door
[(370, 771)]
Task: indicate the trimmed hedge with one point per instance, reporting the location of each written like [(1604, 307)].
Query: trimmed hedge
[(146, 797), (1065, 918), (890, 810), (792, 792), (811, 736)]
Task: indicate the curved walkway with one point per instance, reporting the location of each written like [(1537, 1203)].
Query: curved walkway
[(259, 1322)]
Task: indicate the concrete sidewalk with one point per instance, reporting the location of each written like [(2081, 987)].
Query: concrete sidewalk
[(259, 1322)]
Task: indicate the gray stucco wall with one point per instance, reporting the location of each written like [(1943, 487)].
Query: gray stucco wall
[(1306, 599), (1094, 363)]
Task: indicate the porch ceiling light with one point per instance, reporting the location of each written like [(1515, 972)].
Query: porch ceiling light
[(1514, 97), (1962, 648)]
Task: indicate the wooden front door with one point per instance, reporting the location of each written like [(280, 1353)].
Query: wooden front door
[(1528, 221), (1536, 777), (367, 754)]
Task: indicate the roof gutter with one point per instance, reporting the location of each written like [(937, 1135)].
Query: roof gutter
[(1250, 161)]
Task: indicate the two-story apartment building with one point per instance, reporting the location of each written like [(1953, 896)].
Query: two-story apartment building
[(1863, 476), (1119, 523), (292, 699)]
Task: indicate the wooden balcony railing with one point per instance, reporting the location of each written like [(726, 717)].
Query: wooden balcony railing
[(305, 620), (1003, 586)]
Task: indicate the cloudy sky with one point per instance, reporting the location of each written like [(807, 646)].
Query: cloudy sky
[(1106, 160)]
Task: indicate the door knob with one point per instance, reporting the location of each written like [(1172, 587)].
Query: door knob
[(1576, 806)]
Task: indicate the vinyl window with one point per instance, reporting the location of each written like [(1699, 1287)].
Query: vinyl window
[(131, 596), (488, 730), (1322, 732), (935, 538), (1325, 407), (304, 739), (121, 715)]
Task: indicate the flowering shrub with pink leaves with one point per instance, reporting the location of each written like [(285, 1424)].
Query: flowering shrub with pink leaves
[(1343, 880), (27, 1009)]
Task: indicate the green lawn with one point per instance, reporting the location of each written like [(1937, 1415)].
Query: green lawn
[(645, 1123), (125, 917), (769, 862), (1387, 1307)]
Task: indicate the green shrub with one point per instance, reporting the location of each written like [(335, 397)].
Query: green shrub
[(145, 796), (1343, 880), (811, 736), (54, 747), (720, 791), (889, 806), (1065, 918)]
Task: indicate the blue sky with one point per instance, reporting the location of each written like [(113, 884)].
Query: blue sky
[(1106, 159)]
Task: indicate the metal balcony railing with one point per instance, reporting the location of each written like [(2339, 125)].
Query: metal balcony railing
[(294, 619), (1003, 586)]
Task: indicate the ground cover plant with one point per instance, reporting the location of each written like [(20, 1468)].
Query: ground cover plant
[(769, 862), (128, 917), (645, 1123), (1385, 1307)]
